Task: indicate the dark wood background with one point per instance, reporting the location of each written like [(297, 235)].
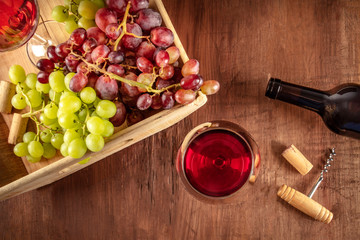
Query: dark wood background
[(136, 193)]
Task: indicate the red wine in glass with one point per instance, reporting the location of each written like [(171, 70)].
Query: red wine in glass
[(217, 159), (18, 22)]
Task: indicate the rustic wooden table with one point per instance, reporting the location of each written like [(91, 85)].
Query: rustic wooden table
[(136, 193)]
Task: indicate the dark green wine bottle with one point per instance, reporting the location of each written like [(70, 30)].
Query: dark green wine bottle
[(338, 107)]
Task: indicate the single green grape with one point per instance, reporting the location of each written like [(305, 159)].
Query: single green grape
[(109, 129), (35, 149), (70, 135), (22, 88), (56, 81), (56, 140), (34, 98), (67, 80), (70, 104), (45, 120), (88, 95), (45, 135), (31, 80), (59, 13), (95, 125), (42, 87), (51, 110), (68, 120), (86, 23), (33, 159), (66, 94), (96, 102), (77, 148), (70, 24), (94, 142), (64, 150), (54, 96), (17, 74), (21, 149), (18, 101), (82, 115), (28, 137), (106, 109), (49, 151), (88, 9)]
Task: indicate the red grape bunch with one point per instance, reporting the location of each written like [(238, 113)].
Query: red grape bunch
[(103, 76)]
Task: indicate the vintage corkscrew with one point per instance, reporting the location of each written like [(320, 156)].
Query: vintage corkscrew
[(305, 203)]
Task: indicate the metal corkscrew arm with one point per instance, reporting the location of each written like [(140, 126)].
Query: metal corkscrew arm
[(325, 170)]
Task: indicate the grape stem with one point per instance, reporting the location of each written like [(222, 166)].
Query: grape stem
[(124, 80), (71, 10), (29, 114), (123, 26), (86, 119)]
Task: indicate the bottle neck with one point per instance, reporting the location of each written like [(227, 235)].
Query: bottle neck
[(304, 97)]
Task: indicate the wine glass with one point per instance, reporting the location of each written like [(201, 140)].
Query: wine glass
[(20, 24), (216, 160)]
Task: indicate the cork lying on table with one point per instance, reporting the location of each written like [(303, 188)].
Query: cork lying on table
[(297, 160)]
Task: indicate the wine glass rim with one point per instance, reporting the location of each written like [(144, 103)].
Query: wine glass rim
[(204, 130)]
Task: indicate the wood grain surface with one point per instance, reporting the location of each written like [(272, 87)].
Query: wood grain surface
[(136, 193)]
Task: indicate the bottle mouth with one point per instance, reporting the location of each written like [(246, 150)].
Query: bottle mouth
[(273, 88)]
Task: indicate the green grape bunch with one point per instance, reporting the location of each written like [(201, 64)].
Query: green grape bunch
[(77, 13), (65, 120)]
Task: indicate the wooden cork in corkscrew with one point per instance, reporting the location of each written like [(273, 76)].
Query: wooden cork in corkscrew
[(305, 204), (7, 91), (297, 160), (17, 129)]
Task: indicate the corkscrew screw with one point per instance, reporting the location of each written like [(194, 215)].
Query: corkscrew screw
[(325, 170), (305, 203)]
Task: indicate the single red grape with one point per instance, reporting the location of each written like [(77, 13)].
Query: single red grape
[(45, 65), (183, 96), (162, 58), (78, 82), (144, 101), (146, 49), (100, 53), (62, 50), (116, 69), (193, 82), (106, 88), (162, 37), (116, 57), (120, 116), (77, 37), (43, 77), (144, 65), (104, 17), (97, 34), (167, 99), (148, 19), (166, 72)]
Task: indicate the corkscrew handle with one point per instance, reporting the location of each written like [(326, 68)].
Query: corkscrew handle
[(305, 204)]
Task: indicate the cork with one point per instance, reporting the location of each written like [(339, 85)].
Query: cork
[(7, 91), (17, 129), (297, 160)]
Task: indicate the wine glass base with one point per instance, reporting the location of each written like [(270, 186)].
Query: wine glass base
[(47, 33)]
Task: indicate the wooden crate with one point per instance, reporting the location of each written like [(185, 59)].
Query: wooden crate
[(48, 171)]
